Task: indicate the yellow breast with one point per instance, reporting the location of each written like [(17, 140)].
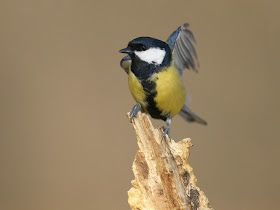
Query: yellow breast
[(136, 89), (170, 90), (171, 93)]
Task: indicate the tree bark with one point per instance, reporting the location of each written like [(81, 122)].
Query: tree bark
[(163, 177)]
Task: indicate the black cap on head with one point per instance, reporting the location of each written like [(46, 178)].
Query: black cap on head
[(144, 43)]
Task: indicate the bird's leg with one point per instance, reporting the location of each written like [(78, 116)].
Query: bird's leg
[(136, 108), (166, 128)]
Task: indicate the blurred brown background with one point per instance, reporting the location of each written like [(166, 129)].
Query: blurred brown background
[(65, 142)]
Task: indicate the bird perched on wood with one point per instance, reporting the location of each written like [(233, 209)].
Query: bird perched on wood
[(155, 69)]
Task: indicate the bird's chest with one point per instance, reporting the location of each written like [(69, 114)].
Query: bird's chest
[(170, 90), (136, 89), (162, 94)]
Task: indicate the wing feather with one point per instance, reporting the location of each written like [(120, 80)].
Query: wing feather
[(125, 63), (181, 44)]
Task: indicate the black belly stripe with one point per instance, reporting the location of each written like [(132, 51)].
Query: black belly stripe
[(150, 89)]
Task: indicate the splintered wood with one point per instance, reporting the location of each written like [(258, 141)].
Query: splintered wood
[(163, 177)]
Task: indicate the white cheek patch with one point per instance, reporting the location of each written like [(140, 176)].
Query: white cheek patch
[(152, 55)]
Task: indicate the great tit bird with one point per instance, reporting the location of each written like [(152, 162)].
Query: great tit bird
[(155, 69)]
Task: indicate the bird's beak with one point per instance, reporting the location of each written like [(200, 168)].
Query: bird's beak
[(125, 50)]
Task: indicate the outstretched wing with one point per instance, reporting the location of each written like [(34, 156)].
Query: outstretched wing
[(125, 63), (181, 44)]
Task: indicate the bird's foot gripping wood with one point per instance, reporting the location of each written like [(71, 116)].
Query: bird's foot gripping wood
[(166, 131), (136, 108)]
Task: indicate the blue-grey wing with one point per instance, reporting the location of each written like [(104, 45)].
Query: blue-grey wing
[(181, 44), (125, 63)]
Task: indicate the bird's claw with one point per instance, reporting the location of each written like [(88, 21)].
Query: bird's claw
[(166, 131), (136, 108)]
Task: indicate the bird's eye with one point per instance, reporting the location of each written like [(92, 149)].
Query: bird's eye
[(143, 48)]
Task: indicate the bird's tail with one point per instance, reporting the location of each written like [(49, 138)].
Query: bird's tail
[(190, 116)]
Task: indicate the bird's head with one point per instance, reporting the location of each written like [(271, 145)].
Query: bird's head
[(149, 50)]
